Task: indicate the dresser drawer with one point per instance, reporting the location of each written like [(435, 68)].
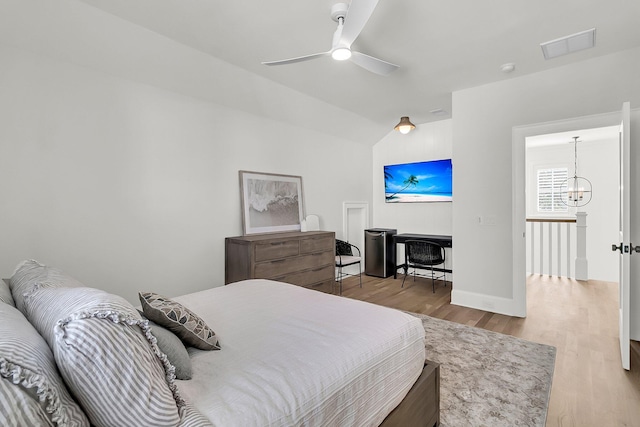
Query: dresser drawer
[(317, 244), (316, 260), (282, 267), (310, 277), (277, 249)]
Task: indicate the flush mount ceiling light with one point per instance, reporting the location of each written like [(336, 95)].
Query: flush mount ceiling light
[(405, 126), (569, 44), (508, 68)]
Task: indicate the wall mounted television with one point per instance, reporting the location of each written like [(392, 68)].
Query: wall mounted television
[(430, 181)]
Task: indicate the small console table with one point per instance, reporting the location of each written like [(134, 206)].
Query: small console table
[(444, 240)]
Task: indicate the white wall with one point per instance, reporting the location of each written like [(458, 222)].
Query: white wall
[(598, 162), (428, 141), (484, 121), (130, 187), (81, 34)]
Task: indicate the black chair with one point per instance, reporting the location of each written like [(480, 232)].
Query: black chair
[(420, 254), (345, 257)]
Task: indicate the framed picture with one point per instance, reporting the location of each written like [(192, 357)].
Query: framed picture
[(271, 203)]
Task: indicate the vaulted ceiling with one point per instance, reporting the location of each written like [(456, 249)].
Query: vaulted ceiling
[(441, 46)]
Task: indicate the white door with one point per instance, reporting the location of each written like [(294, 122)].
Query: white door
[(625, 235)]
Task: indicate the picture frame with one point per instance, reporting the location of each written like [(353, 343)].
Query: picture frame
[(271, 203)]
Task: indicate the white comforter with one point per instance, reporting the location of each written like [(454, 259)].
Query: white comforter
[(292, 356)]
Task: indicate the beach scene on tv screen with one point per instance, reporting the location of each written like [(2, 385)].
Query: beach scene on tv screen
[(430, 181)]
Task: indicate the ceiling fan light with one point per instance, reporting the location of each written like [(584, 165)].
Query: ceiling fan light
[(341, 53), (405, 126)]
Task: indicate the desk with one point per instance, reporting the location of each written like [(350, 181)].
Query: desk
[(445, 241)]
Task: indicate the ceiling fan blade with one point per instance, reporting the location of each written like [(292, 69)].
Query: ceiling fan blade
[(357, 16), (298, 59), (372, 64)]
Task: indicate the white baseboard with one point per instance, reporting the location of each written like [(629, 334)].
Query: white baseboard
[(506, 306)]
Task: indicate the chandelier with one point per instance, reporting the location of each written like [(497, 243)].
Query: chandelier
[(576, 191)]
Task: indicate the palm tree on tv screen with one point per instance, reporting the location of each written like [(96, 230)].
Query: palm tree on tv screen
[(412, 181), (387, 177)]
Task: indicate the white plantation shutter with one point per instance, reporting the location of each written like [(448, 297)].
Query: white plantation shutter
[(550, 191)]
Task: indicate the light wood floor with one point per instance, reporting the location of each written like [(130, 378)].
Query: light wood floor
[(580, 319)]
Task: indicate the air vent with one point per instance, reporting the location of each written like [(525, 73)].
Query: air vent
[(439, 112), (569, 44)]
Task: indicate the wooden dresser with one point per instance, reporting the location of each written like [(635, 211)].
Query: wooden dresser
[(301, 258)]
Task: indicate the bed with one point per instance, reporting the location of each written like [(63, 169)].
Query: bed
[(293, 356), (280, 355)]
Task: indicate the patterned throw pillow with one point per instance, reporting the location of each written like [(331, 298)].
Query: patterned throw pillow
[(180, 320), (32, 393)]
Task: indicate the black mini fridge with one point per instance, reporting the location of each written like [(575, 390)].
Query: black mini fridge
[(379, 251)]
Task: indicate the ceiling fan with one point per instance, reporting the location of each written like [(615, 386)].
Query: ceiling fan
[(351, 20)]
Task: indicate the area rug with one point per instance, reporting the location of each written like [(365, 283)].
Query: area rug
[(487, 378)]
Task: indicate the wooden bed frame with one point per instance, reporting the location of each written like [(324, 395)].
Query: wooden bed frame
[(421, 406)]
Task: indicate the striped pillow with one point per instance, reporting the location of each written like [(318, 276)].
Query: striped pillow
[(30, 273), (19, 409), (5, 293), (32, 388), (107, 356), (190, 417)]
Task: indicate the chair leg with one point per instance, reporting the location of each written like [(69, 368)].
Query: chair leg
[(433, 282), (360, 274), (404, 278)]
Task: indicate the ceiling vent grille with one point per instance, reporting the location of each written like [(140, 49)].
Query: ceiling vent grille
[(569, 44)]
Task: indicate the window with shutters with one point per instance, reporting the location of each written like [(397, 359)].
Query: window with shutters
[(550, 189)]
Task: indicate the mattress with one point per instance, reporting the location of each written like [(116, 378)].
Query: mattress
[(294, 356)]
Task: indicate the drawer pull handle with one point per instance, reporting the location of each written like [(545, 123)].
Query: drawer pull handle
[(277, 243), (318, 269), (278, 261)]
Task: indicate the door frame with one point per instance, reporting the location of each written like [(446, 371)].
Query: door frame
[(625, 236), (361, 208), (518, 188), (361, 211)]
